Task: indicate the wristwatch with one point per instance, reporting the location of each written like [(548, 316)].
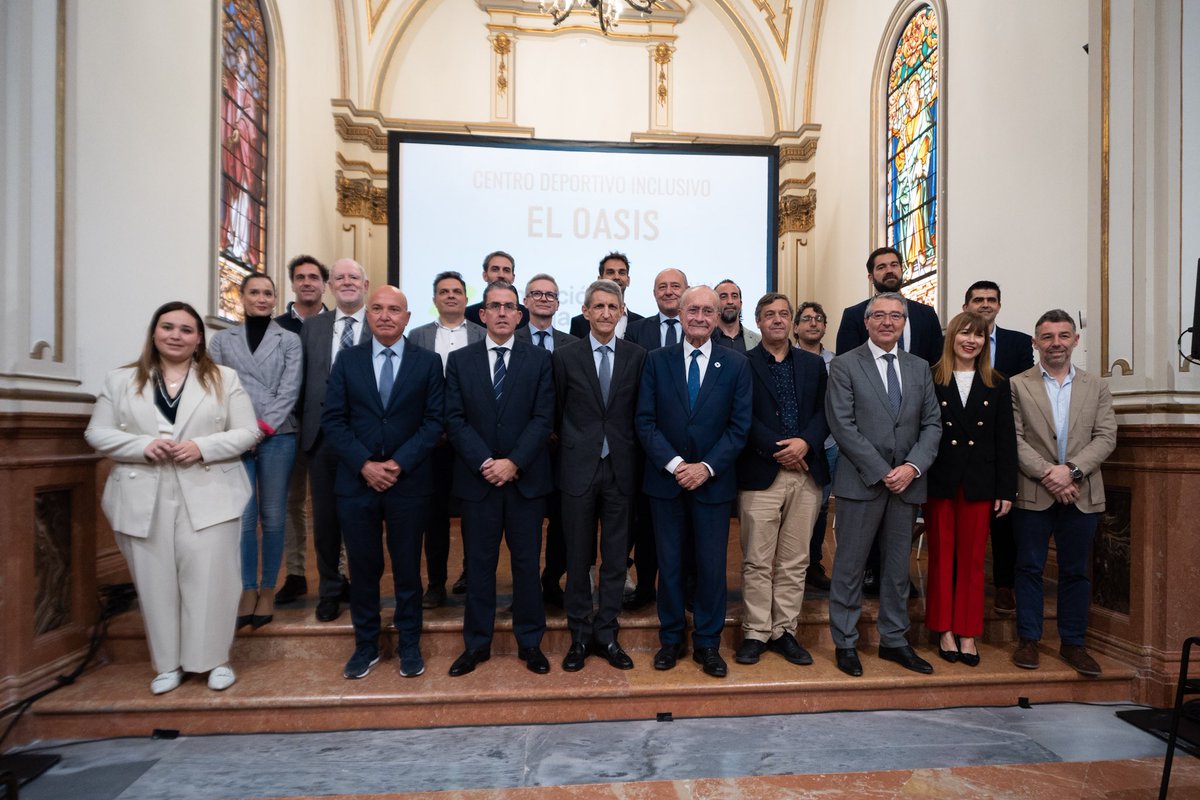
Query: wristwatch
[(1076, 472)]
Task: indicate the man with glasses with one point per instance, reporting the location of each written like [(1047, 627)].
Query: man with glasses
[(885, 417), (808, 326)]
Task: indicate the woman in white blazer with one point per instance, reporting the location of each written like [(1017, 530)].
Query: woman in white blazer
[(269, 361), (176, 425)]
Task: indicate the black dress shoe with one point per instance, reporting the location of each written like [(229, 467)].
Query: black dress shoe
[(294, 587), (710, 659), (749, 651), (787, 646), (952, 656), (816, 578), (434, 596), (668, 655), (906, 657), (613, 654), (575, 658), (460, 585), (243, 620), (638, 599), (468, 661), (970, 659), (534, 658), (344, 595), (847, 661), (328, 609), (258, 620)]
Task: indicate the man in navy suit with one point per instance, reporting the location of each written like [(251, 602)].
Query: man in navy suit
[(922, 334), (383, 417), (497, 266), (1012, 354), (499, 414), (613, 267), (693, 417)]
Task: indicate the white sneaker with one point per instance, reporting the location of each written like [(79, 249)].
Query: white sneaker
[(221, 678), (166, 681)]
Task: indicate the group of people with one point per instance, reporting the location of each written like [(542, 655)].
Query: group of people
[(628, 435)]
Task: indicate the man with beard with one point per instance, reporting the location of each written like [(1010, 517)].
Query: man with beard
[(729, 331), (922, 334)]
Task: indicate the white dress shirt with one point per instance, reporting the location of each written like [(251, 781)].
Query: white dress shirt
[(446, 339), (377, 358), (881, 363), (701, 362), (339, 325), (492, 353)]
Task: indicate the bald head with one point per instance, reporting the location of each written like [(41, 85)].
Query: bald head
[(699, 304), (387, 314), (669, 286), (349, 283)]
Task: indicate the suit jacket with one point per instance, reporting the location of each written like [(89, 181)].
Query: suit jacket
[(871, 439), (757, 467), (926, 331), (472, 314), (978, 450), (713, 432), (560, 338), (580, 327), (583, 419), (292, 323), (1091, 437), (271, 375), (647, 332), (425, 336), (317, 339), (749, 339), (124, 423), (1014, 352), (517, 427), (360, 428)]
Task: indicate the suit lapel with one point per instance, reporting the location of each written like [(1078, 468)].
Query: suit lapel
[(512, 375), (1081, 389), (364, 363), (758, 363), (678, 378), (587, 363), (711, 377), (268, 345), (189, 401), (141, 405), (403, 375), (1037, 390), (866, 363)]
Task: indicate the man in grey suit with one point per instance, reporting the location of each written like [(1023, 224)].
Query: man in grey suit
[(884, 415), (449, 332), (324, 337)]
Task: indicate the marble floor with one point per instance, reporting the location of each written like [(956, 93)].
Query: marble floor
[(800, 755)]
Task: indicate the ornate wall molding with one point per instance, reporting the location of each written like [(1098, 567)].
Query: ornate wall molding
[(797, 212), (503, 77), (360, 197), (778, 15), (661, 70)]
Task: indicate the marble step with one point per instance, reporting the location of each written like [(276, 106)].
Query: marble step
[(295, 694)]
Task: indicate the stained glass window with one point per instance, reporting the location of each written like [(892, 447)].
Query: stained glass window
[(912, 120), (243, 210)]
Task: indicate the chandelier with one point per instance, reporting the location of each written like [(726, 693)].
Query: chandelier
[(607, 11)]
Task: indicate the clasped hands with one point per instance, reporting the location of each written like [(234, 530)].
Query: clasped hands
[(1057, 480), (899, 478), (381, 475), (792, 454), (498, 471), (185, 454), (691, 476)]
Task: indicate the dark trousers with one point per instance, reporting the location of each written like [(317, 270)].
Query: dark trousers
[(556, 548), (641, 543), (1004, 552), (817, 543), (503, 513), (363, 519), (709, 526), (327, 529), (604, 502), (437, 521), (1073, 531)]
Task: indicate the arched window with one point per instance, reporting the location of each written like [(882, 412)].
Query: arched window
[(242, 230), (912, 104)]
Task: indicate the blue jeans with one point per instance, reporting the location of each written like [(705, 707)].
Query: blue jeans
[(269, 467), (817, 543), (1073, 531)]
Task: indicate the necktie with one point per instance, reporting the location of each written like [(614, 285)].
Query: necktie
[(542, 339), (499, 371), (672, 337), (893, 383), (694, 379), (386, 377), (605, 385), (900, 344), (347, 333)]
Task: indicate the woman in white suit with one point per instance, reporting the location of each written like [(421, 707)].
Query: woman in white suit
[(175, 424), (269, 361)]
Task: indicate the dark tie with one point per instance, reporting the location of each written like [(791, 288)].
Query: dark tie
[(386, 377), (605, 385), (499, 371), (347, 333), (672, 337), (694, 379), (900, 344), (893, 383), (542, 339)]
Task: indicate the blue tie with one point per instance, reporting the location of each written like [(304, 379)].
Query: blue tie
[(672, 337), (542, 339), (694, 379), (893, 383), (386, 377), (499, 371)]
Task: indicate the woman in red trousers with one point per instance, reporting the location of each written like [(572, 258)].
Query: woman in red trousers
[(974, 476)]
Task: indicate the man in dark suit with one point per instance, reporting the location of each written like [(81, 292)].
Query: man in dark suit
[(596, 383), (922, 334), (449, 332), (383, 417), (884, 415), (497, 266), (1012, 354), (324, 338), (693, 417), (780, 475), (500, 413), (613, 267)]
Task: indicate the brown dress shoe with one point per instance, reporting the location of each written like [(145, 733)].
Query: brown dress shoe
[(1077, 656), (1026, 655), (1005, 603)]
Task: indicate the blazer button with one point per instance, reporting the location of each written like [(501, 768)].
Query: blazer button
[(970, 443), (985, 402), (132, 475), (954, 441), (980, 423), (206, 467), (949, 423), (943, 402), (121, 426)]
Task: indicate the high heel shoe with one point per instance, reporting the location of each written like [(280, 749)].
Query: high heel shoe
[(266, 602), (246, 608), (950, 656), (970, 659)]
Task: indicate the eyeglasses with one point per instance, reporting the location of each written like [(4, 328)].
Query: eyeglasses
[(538, 294), (894, 316), (498, 306), (813, 318)]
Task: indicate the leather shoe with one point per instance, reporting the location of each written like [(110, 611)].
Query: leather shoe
[(575, 658), (294, 587), (1077, 656), (468, 661), (434, 596), (870, 584), (847, 661), (668, 655), (344, 595), (816, 578), (460, 585), (243, 620), (749, 651), (637, 600), (613, 654), (1026, 655), (328, 609), (1005, 604), (787, 646), (906, 657), (535, 660), (710, 659), (970, 659)]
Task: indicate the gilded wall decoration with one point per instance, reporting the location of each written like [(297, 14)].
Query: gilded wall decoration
[(779, 20), (1111, 551), (502, 45), (797, 213), (359, 197), (52, 559), (349, 131), (662, 57), (804, 151)]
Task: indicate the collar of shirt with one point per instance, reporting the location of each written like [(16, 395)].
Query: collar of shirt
[(359, 316), (1045, 375), (786, 356), (378, 347), (462, 324), (662, 318), (534, 330), (705, 352), (878, 354), (595, 343), (491, 343)]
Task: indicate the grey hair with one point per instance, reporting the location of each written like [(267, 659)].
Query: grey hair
[(602, 285), (886, 296)]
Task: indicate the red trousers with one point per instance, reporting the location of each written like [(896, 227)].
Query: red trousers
[(958, 531)]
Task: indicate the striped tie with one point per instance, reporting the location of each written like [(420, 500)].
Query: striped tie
[(499, 371)]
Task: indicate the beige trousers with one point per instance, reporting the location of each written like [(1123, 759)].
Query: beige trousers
[(188, 583), (777, 525)]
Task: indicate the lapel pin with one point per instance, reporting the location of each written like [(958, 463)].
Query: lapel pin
[(717, 364)]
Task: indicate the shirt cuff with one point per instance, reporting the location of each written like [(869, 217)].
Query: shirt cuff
[(915, 467), (673, 464), (710, 469)]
